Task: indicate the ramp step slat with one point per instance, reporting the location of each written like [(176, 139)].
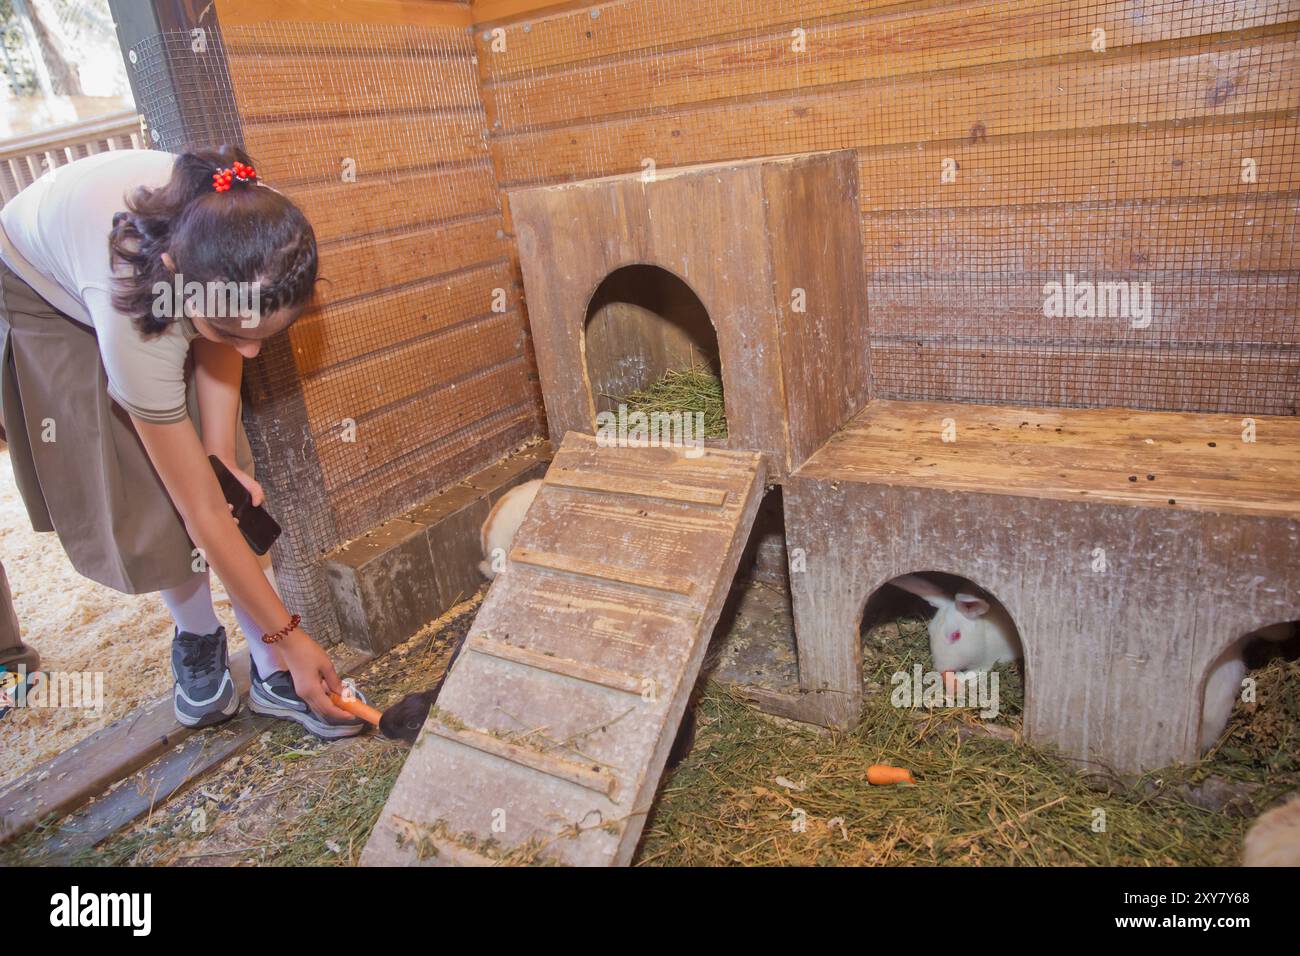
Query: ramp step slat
[(459, 855), (447, 851), (623, 485), (589, 673), (604, 572), (590, 776)]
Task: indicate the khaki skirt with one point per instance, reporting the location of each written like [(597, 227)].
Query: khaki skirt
[(78, 462)]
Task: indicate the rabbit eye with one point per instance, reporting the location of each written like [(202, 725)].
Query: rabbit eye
[(954, 637)]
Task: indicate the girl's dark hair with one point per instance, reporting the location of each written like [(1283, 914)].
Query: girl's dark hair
[(247, 234)]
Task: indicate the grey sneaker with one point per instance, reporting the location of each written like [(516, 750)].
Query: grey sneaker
[(274, 696), (204, 692)]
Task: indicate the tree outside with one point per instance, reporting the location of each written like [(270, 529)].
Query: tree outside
[(61, 63)]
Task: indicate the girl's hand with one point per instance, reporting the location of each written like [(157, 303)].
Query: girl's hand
[(247, 481), (313, 674)]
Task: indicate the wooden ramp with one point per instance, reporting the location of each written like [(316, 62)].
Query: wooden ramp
[(553, 727)]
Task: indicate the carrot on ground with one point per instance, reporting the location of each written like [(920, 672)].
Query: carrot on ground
[(881, 774)]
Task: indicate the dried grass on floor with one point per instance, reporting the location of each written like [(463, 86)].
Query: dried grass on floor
[(289, 799), (1261, 744), (689, 390), (758, 790), (978, 800), (981, 798), (78, 625)]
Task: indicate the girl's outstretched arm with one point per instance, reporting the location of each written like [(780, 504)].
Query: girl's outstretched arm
[(182, 463)]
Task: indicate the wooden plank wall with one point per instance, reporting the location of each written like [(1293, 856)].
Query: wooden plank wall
[(413, 369), (1099, 139)]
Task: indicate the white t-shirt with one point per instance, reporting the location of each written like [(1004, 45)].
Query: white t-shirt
[(55, 237)]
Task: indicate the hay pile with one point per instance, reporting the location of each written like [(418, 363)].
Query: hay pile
[(978, 800), (690, 390), (1261, 744), (758, 790), (289, 799)]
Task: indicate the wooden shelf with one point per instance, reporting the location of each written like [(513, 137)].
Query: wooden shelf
[(1198, 461)]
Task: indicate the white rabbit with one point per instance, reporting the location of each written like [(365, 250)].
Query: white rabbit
[(1221, 690), (967, 633), (1223, 686), (502, 522), (1274, 839)]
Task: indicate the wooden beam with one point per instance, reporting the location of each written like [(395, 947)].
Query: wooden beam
[(1250, 381), (386, 437), (507, 11), (304, 83), (700, 69), (73, 778), (433, 13), (150, 788), (377, 491), (1123, 93), (1164, 460), (315, 149), (388, 379)]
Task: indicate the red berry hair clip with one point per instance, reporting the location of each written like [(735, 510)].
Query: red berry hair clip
[(222, 178)]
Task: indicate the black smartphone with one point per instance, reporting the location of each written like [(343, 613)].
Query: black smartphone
[(259, 529)]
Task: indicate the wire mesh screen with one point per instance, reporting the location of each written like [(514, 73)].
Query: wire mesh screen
[(183, 91), (1067, 203), (414, 359), (410, 369)]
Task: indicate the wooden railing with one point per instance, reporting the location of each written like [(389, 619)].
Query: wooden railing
[(22, 160)]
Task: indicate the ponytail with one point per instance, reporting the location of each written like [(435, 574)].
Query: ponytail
[(243, 233)]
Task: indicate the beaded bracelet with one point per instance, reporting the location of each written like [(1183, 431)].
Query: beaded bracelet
[(283, 632)]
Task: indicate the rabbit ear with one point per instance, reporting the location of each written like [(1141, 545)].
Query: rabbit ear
[(931, 592), (972, 606)]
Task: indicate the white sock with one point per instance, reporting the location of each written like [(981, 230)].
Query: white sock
[(190, 605)]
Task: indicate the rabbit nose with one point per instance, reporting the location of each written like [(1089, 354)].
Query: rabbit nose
[(954, 637)]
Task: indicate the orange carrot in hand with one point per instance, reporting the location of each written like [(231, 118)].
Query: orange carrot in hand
[(882, 774), (358, 707)]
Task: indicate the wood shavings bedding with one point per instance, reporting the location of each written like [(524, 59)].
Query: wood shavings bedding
[(79, 625)]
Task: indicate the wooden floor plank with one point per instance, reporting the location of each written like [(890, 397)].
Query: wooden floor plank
[(147, 738), (150, 787)]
